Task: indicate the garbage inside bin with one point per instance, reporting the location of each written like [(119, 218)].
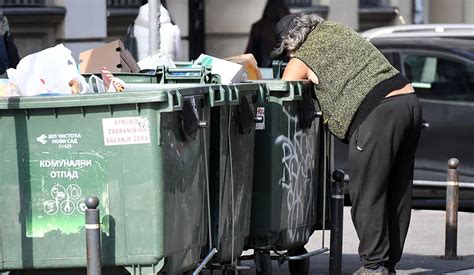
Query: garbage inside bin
[(112, 55), (50, 71)]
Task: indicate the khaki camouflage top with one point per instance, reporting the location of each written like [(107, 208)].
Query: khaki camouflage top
[(347, 66)]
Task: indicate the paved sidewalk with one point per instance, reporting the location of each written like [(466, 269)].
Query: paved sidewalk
[(424, 245)]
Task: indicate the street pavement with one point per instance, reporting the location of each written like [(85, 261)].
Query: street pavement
[(424, 246)]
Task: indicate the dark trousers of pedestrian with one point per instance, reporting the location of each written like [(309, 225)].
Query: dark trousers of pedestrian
[(381, 161)]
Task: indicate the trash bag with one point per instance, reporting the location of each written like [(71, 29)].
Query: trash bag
[(50, 71)]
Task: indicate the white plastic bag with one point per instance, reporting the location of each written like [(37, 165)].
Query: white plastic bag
[(95, 85), (51, 71), (159, 58)]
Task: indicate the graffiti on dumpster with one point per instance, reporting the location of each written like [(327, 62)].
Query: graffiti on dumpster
[(298, 163), (59, 184)]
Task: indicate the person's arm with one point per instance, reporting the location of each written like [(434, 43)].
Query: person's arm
[(297, 70)]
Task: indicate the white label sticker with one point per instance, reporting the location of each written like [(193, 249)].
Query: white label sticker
[(126, 130), (260, 125), (62, 140)]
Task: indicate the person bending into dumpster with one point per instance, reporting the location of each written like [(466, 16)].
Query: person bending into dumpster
[(367, 103)]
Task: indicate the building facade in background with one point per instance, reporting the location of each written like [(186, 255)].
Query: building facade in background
[(216, 27)]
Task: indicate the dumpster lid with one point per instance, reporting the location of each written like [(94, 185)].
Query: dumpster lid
[(61, 101), (150, 93)]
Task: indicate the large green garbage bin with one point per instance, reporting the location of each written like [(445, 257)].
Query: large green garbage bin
[(232, 139), (231, 170), (285, 169), (132, 150), (231, 167)]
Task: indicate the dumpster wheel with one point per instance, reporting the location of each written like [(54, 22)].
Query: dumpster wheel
[(298, 267), (263, 262)]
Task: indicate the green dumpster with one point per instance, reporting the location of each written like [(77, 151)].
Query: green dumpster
[(232, 139), (231, 169), (286, 167), (143, 154)]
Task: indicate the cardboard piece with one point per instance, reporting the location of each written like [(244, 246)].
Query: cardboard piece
[(114, 56), (229, 72), (249, 63)]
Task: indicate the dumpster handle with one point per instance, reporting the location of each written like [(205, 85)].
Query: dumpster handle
[(232, 100), (206, 173), (325, 175), (184, 70), (328, 167), (229, 145), (295, 93), (205, 261), (220, 99), (263, 93), (307, 255), (166, 74), (179, 99)]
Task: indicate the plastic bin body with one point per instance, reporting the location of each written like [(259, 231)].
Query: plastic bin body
[(186, 211), (231, 170), (285, 170), (120, 147)]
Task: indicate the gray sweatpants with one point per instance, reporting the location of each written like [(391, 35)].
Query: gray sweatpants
[(381, 160)]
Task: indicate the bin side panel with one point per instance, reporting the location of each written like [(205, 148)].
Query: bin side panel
[(184, 165), (137, 173), (266, 190), (234, 222), (60, 158), (283, 210), (299, 153)]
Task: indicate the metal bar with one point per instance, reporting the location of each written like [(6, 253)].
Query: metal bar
[(327, 171), (93, 236), (153, 26), (463, 185), (205, 261), (246, 257), (241, 268), (452, 205), (307, 255), (208, 194), (185, 70), (337, 218)]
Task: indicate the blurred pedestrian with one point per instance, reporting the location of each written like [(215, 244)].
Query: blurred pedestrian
[(9, 57), (170, 34), (369, 104), (261, 41)]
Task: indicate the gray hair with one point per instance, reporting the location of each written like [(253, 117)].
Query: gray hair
[(304, 23)]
